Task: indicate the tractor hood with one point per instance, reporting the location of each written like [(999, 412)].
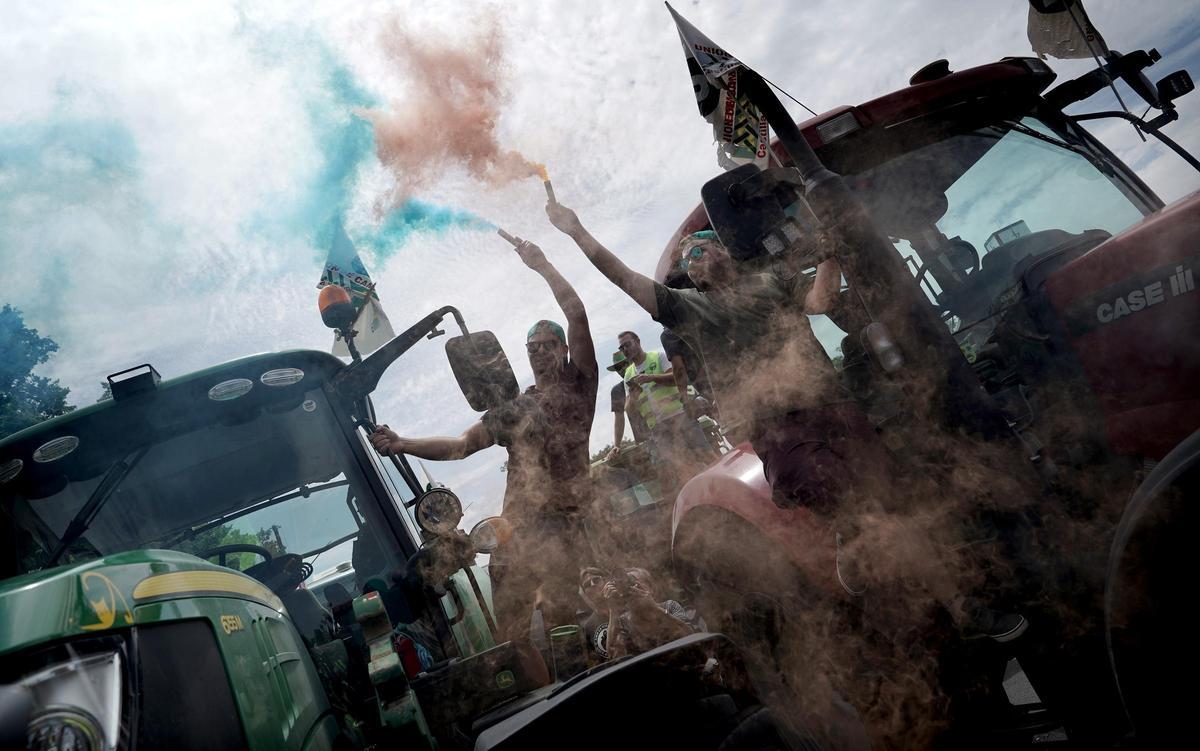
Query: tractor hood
[(113, 592)]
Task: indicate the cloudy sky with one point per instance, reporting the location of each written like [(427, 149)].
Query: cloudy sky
[(167, 169)]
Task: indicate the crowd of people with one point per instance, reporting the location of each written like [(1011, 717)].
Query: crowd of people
[(736, 344), (558, 523)]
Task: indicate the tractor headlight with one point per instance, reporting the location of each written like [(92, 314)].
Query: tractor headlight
[(63, 729), (77, 705)]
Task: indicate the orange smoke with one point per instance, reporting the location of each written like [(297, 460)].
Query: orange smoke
[(449, 115), (541, 170)]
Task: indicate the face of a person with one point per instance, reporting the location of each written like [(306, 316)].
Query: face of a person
[(546, 352), (712, 266), (591, 584), (630, 347)]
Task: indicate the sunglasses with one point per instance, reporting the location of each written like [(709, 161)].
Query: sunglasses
[(550, 345), (696, 252)]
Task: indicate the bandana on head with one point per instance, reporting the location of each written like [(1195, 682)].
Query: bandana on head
[(551, 326), (705, 234)]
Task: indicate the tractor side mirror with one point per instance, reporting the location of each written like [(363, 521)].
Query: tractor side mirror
[(758, 213), (482, 370), (1174, 86)]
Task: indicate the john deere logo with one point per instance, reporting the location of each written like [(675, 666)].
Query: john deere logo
[(106, 601), (505, 679)]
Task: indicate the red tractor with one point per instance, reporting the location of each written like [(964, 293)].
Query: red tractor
[(1051, 297)]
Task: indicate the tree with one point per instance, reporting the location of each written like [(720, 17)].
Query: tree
[(26, 399), (225, 534), (268, 537)]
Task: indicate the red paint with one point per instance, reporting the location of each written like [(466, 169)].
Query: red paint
[(736, 484), (898, 106), (1143, 367)]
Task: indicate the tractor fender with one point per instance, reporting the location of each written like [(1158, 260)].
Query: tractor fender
[(1151, 574), (736, 485)]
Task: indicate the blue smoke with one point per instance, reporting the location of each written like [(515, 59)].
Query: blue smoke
[(346, 142), (415, 216), (67, 159)]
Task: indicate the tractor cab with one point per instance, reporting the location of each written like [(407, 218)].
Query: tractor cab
[(981, 182), (239, 514)]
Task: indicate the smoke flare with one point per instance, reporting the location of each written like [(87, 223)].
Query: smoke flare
[(450, 114)]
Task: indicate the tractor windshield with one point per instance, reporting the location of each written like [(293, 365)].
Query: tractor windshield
[(263, 489), (970, 210)]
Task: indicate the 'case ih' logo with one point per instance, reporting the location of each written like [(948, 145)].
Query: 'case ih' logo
[(1180, 283), (1131, 295)]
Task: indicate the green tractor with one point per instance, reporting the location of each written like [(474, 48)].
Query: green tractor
[(220, 560)]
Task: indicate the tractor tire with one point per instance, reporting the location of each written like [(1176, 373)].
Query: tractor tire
[(1148, 610)]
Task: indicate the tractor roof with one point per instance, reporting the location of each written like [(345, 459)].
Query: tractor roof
[(184, 398), (1016, 81)]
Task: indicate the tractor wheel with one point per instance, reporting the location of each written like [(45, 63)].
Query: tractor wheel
[(1148, 600)]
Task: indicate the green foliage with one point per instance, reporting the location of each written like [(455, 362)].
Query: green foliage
[(269, 538), (223, 535), (26, 399)]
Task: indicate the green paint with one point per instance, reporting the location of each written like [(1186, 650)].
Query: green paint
[(471, 633), (274, 682), (280, 696)]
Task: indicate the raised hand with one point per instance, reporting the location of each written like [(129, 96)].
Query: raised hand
[(564, 219), (532, 255)]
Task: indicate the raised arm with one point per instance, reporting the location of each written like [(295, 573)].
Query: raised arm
[(637, 286), (440, 448), (825, 288), (579, 335)]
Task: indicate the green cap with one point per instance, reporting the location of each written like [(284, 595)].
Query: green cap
[(551, 326), (620, 362)]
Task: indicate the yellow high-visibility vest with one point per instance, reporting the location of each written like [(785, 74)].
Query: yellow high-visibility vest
[(657, 401)]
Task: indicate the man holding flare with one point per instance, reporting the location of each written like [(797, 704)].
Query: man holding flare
[(545, 430)]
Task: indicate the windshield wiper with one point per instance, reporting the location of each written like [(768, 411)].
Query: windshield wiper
[(112, 478), (1096, 161), (191, 531)]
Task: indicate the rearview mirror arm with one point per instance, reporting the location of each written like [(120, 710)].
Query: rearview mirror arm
[(361, 378), (1150, 127)]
